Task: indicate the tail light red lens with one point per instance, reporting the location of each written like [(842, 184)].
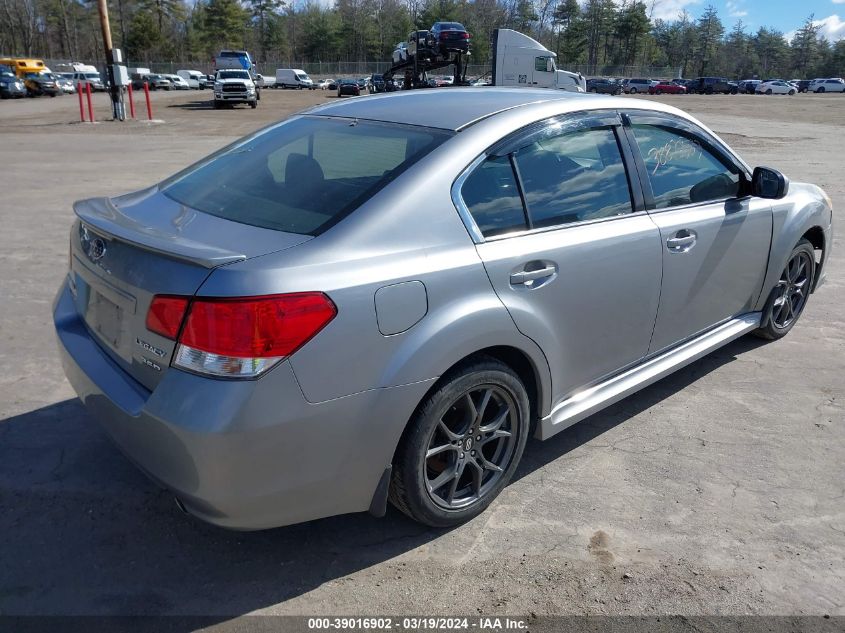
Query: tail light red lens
[(239, 337), (256, 327), (465, 36), (165, 315)]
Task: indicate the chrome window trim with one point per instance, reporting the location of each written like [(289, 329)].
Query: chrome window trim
[(460, 205)]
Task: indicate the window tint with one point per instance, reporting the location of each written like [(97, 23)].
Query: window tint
[(573, 177), (303, 175), (681, 170), (492, 197), (541, 64)]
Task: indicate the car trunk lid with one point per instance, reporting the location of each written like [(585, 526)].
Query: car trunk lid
[(126, 250)]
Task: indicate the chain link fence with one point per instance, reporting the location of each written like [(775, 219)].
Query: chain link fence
[(363, 69)]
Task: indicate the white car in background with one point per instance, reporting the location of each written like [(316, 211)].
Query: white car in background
[(400, 54), (177, 82), (777, 87), (323, 84), (833, 84)]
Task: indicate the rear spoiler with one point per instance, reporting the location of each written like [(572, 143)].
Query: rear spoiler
[(104, 217)]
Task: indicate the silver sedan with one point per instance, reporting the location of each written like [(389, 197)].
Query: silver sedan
[(380, 299)]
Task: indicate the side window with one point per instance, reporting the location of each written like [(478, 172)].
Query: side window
[(682, 170), (492, 197), (575, 176), (541, 64)]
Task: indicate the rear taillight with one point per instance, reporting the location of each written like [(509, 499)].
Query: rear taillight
[(165, 315), (244, 337), (465, 36)]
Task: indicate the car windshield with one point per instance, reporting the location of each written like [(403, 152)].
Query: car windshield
[(233, 74), (304, 175)]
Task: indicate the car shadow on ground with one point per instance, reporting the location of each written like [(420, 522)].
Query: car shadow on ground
[(85, 533)]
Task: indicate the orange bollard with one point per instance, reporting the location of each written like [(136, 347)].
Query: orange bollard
[(131, 101), (81, 107), (149, 105), (90, 105)]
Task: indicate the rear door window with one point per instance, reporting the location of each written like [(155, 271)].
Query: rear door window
[(304, 175)]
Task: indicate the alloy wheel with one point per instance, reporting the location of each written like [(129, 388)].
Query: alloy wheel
[(792, 290), (471, 446)]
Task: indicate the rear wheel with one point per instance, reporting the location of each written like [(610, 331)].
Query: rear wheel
[(462, 445), (820, 90), (789, 296), (769, 91), (633, 91), (791, 92), (658, 92)]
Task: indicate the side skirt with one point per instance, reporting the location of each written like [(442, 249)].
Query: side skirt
[(585, 403)]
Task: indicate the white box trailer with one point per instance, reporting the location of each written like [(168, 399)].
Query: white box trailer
[(519, 60)]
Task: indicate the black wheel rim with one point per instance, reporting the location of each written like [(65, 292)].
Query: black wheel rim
[(471, 446), (791, 291)]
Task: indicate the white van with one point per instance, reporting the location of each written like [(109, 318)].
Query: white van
[(193, 77), (293, 78)]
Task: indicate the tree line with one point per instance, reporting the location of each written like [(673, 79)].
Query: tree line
[(597, 34)]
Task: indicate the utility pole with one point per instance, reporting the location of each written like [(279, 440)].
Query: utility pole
[(114, 89)]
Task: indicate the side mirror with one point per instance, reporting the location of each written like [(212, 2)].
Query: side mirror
[(769, 183)]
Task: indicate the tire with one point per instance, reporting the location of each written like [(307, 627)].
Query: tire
[(769, 92), (633, 91), (216, 104), (658, 92), (820, 90), (452, 418), (791, 92), (253, 104), (593, 90), (795, 283)]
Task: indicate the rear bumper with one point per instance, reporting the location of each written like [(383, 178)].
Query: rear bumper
[(240, 454)]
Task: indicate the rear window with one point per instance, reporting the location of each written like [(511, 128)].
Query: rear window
[(304, 175)]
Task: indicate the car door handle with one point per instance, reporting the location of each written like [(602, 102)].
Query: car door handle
[(524, 276), (682, 241)]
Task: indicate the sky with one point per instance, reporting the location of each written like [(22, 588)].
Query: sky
[(784, 15)]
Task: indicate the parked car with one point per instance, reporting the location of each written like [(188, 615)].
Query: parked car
[(376, 83), (177, 82), (603, 86), (348, 87), (449, 37), (636, 85), (667, 87), (217, 352), (400, 53), (324, 84), (714, 85), (333, 83), (155, 82), (363, 82), (43, 83), (748, 86), (802, 85), (233, 86), (192, 77), (775, 88), (207, 81), (834, 84), (11, 87), (66, 82)]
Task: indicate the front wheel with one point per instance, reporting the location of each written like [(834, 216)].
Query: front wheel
[(633, 91), (789, 296), (820, 90), (658, 92), (769, 91), (462, 445), (791, 92)]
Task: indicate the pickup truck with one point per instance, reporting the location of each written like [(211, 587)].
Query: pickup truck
[(234, 86)]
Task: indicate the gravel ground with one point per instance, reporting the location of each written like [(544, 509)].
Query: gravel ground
[(719, 490)]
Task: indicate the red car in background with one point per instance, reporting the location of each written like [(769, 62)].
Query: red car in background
[(668, 87)]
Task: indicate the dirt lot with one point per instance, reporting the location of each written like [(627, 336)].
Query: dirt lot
[(720, 490)]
